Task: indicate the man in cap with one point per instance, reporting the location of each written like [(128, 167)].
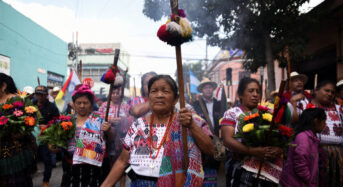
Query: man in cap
[(48, 111), (298, 98), (339, 92), (209, 109)]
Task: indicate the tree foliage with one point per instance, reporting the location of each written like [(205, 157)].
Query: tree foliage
[(249, 25), (196, 68)]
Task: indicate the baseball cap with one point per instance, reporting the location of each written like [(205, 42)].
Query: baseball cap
[(41, 90)]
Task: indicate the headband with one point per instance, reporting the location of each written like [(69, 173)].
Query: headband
[(83, 89)]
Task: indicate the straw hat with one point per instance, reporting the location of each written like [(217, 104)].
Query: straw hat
[(274, 93), (28, 90), (339, 83), (205, 81), (303, 77), (56, 89)]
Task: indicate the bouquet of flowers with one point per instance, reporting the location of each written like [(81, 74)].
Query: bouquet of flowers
[(253, 130), (58, 131), (18, 116)]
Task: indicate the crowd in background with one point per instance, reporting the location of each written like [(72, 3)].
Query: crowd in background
[(142, 137)]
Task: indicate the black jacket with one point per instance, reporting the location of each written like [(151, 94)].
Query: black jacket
[(217, 113), (48, 111)]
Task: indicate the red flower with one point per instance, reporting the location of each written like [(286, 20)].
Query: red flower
[(262, 108), (310, 105), (18, 104), (284, 130), (3, 120)]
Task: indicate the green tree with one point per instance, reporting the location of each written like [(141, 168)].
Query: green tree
[(196, 68), (262, 28)]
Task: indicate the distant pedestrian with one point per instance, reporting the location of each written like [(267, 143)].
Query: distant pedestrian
[(209, 109), (331, 138), (120, 123), (339, 92), (302, 166), (139, 106), (48, 111)]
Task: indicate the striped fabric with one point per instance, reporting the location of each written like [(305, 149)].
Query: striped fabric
[(236, 176), (210, 179), (143, 183), (334, 165)]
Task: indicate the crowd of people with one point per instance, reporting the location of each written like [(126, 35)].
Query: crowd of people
[(142, 139)]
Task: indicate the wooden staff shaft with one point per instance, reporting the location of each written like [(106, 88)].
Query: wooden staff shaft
[(277, 107), (38, 81), (175, 11), (134, 87), (180, 76), (289, 69), (109, 98), (80, 70)]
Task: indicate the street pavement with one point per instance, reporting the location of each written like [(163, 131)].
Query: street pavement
[(56, 176)]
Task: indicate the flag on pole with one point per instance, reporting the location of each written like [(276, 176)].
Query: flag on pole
[(194, 82), (64, 96), (188, 91)]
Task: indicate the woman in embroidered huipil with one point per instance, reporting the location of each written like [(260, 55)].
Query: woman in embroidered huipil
[(249, 94), (16, 150), (120, 121), (153, 144), (139, 106), (331, 138), (82, 160)]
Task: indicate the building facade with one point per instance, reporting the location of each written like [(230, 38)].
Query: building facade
[(226, 68), (28, 52), (96, 58)]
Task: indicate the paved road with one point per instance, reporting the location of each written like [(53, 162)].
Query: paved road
[(56, 176)]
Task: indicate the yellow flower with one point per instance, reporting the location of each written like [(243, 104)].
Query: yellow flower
[(267, 117), (30, 109), (248, 127)]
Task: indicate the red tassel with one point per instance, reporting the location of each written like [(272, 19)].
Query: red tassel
[(109, 76), (279, 115), (163, 34)]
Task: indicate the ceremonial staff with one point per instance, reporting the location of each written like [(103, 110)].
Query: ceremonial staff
[(114, 69), (175, 11)]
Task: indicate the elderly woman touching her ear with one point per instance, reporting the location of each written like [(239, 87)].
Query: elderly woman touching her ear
[(153, 144)]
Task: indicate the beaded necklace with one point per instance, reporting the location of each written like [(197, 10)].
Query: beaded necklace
[(164, 136)]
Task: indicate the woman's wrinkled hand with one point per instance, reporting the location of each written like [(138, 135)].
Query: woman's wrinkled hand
[(106, 127), (53, 148), (266, 153), (114, 120), (185, 117), (297, 97)]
